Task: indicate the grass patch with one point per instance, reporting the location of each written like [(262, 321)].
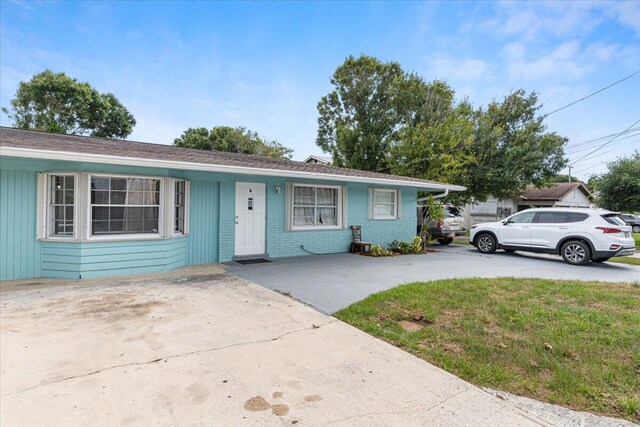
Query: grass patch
[(576, 344), (636, 237), (626, 260)]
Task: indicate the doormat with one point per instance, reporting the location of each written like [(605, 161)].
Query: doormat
[(253, 261)]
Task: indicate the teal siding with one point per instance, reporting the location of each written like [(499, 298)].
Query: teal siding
[(19, 249), (202, 246), (75, 260), (281, 242), (227, 226), (211, 226)]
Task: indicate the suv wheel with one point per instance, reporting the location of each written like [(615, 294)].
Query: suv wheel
[(636, 228), (445, 241), (486, 243), (576, 252)]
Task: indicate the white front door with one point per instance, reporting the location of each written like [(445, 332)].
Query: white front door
[(250, 218)]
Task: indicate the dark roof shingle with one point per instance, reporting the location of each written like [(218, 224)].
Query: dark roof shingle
[(45, 141), (555, 192)]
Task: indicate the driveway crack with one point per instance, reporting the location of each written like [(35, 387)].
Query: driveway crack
[(173, 356)]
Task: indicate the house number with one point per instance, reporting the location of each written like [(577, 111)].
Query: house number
[(250, 203)]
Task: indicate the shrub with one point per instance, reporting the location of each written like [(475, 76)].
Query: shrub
[(404, 248), (377, 250)]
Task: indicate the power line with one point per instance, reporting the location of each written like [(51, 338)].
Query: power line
[(585, 145), (609, 151), (605, 162), (605, 144), (589, 96), (623, 139)]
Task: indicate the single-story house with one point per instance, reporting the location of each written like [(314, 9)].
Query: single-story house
[(563, 194), (318, 160), (75, 206)]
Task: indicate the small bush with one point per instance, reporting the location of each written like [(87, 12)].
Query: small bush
[(377, 250), (404, 248)]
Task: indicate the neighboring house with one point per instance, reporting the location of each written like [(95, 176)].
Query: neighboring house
[(318, 160), (73, 206), (563, 194)]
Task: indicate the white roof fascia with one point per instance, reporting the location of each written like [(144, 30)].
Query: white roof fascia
[(172, 164)]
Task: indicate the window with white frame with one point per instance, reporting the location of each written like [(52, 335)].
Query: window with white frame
[(84, 206), (316, 207), (122, 205), (384, 203), (180, 201), (62, 197)]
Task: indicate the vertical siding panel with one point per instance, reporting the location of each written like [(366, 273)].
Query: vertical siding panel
[(4, 223), (11, 231), (19, 250)]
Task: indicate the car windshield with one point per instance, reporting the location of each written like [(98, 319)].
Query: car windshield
[(613, 219)]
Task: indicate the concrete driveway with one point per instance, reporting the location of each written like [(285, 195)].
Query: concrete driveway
[(332, 282), (199, 347)]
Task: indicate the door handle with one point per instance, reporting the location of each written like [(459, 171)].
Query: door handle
[(525, 226)]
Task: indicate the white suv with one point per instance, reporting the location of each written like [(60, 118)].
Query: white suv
[(578, 235)]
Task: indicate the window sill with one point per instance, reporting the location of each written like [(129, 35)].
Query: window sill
[(391, 218), (316, 228)]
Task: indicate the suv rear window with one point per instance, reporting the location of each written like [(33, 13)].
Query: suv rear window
[(577, 217), (613, 219)]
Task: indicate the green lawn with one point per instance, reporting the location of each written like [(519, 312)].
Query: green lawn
[(626, 260), (575, 344), (636, 237)]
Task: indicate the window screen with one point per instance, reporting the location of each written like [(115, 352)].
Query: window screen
[(124, 205), (61, 208), (385, 204), (180, 202), (315, 206)]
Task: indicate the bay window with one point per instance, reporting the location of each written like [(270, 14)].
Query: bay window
[(93, 207)]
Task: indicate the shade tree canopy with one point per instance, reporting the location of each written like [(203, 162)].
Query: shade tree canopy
[(55, 102), (379, 117), (232, 140)]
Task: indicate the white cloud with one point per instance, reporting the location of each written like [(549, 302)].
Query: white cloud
[(442, 66)]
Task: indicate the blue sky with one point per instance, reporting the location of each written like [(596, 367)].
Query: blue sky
[(266, 65)]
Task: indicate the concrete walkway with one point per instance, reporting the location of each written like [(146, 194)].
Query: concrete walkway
[(199, 347), (332, 282)]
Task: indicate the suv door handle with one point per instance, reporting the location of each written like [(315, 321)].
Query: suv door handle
[(563, 228)]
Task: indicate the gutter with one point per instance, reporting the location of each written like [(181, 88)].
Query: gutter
[(437, 196), (172, 164)]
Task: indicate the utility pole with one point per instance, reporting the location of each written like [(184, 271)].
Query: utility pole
[(569, 173)]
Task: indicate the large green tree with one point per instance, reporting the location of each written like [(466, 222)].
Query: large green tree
[(436, 133), (359, 119), (55, 102), (380, 118), (232, 140), (512, 148), (619, 188)]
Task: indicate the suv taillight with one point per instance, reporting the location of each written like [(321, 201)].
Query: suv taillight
[(440, 224), (608, 230)]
